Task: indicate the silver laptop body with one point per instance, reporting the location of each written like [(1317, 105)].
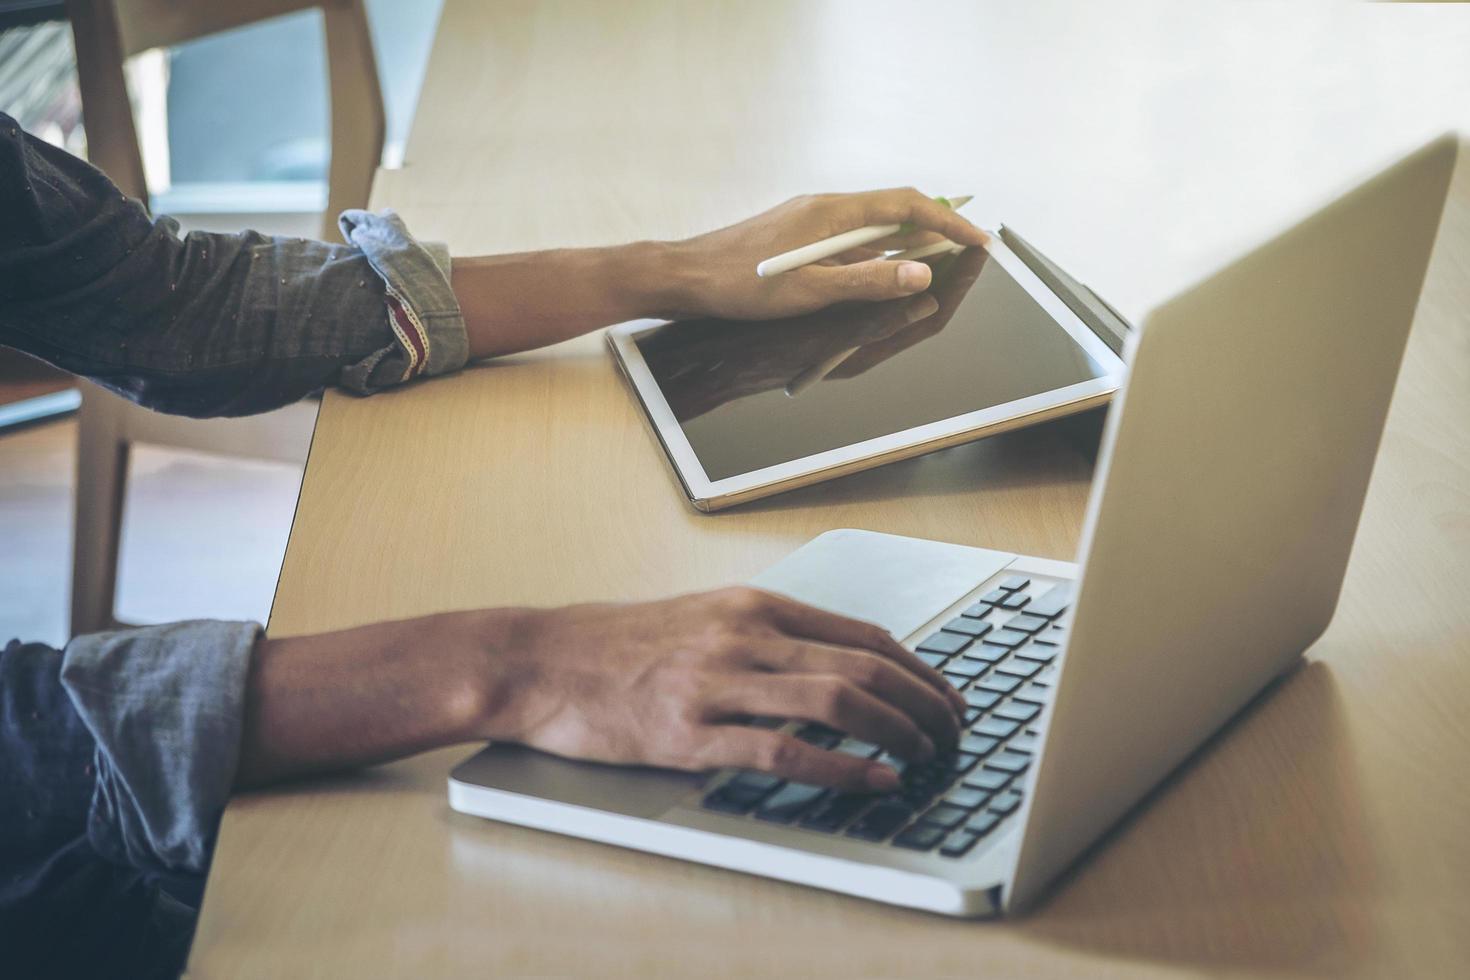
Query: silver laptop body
[(1232, 474)]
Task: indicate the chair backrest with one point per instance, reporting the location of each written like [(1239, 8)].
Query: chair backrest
[(108, 32)]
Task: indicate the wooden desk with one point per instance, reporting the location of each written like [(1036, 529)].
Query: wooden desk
[(1323, 833)]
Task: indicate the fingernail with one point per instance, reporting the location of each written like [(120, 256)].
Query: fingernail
[(882, 779), (913, 276)]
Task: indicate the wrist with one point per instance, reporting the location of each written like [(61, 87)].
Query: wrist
[(661, 277), (496, 671)]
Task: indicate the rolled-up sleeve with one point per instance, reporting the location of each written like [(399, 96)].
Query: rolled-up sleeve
[(164, 705), (209, 324), (422, 310)]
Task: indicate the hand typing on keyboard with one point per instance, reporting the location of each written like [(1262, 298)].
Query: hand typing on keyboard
[(1000, 654), (672, 683)]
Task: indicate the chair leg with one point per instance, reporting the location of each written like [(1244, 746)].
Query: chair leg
[(102, 466), (112, 136)]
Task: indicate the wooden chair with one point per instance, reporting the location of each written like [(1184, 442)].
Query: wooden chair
[(106, 33)]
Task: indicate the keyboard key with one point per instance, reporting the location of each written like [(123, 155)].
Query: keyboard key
[(1007, 638), (988, 653), (788, 802), (959, 843), (968, 626), (978, 744), (834, 811), (1000, 683), (1019, 668), (978, 611), (733, 799), (932, 659), (1009, 762), (965, 667), (983, 824), (760, 782), (920, 837), (1014, 600), (987, 780), (1005, 803), (981, 699), (995, 597), (859, 748), (1026, 623), (1053, 603), (1041, 653), (1047, 641), (1014, 582), (946, 816), (997, 728), (1018, 711), (960, 763), (920, 795), (880, 822), (966, 797), (957, 681), (819, 735), (972, 715), (1025, 743), (1034, 693), (945, 643)]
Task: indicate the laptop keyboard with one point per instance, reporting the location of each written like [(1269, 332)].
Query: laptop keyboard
[(1000, 654)]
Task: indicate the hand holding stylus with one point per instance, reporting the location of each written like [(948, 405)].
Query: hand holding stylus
[(717, 270), (848, 240)]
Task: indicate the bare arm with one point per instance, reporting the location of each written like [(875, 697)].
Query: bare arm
[(361, 696), (531, 299), (664, 683)]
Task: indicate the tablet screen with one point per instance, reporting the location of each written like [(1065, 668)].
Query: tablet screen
[(754, 394)]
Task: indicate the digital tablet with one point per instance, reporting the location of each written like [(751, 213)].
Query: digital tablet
[(747, 409)]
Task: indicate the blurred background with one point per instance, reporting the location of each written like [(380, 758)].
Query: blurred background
[(234, 132)]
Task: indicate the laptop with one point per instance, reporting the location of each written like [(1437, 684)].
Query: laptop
[(1229, 485)]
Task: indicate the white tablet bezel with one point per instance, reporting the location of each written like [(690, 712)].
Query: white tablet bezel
[(707, 494)]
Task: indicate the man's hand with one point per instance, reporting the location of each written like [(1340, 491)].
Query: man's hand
[(532, 299), (718, 269), (665, 683), (668, 684)]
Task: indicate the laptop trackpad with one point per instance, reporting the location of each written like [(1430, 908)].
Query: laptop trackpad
[(899, 583), (634, 791)]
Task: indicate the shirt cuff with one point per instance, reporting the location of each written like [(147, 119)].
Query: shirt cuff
[(165, 705), (422, 308)]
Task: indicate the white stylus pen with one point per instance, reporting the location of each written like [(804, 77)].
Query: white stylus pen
[(837, 244)]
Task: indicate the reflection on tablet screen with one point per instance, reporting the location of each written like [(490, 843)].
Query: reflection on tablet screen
[(754, 394)]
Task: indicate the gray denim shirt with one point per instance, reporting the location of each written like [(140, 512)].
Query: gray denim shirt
[(201, 325)]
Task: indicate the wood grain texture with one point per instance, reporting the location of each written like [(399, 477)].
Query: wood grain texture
[(1321, 833)]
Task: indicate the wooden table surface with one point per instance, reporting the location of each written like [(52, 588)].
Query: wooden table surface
[(1325, 832)]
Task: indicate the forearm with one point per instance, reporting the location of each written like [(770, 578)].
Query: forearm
[(532, 299), (368, 695)]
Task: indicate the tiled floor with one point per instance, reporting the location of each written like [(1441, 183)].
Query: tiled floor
[(203, 535)]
